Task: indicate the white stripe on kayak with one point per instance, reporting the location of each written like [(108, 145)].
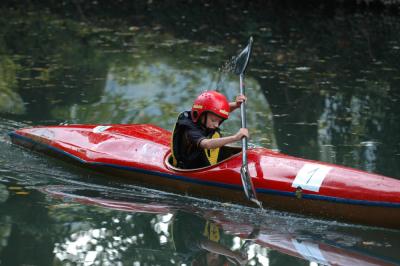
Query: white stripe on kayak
[(100, 129), (311, 176)]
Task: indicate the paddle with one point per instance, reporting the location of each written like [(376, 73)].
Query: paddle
[(241, 62)]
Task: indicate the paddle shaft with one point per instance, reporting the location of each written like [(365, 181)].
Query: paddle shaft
[(243, 120), (242, 60)]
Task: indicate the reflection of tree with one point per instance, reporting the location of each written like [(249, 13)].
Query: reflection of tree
[(330, 90), (111, 236), (29, 238), (60, 66), (5, 223), (10, 101), (276, 259)]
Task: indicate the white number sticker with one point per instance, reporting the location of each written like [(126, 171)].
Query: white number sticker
[(311, 176)]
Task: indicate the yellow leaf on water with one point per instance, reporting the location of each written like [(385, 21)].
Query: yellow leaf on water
[(22, 193)]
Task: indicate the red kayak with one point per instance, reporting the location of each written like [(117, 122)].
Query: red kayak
[(142, 152)]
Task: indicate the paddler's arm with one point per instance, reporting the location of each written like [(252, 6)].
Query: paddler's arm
[(219, 249), (219, 142), (236, 104)]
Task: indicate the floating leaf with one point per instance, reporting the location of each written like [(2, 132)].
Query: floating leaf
[(22, 193), (15, 188)]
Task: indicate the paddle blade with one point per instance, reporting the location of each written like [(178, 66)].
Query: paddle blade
[(242, 60), (250, 239), (248, 186)]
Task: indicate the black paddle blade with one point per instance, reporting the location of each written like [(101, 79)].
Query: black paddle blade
[(242, 60), (248, 187)]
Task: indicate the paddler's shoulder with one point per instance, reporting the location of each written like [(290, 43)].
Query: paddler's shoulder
[(185, 119)]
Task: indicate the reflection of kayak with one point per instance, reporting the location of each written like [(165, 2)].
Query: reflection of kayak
[(141, 153), (321, 253), (270, 235)]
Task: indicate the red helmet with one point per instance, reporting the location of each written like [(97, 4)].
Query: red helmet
[(210, 101)]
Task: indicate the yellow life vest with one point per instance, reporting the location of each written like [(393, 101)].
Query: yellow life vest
[(212, 154), (211, 231)]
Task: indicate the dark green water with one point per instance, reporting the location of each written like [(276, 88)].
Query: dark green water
[(322, 84)]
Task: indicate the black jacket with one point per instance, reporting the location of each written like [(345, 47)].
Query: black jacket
[(185, 142)]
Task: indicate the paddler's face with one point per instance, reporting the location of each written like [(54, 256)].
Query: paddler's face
[(213, 121)]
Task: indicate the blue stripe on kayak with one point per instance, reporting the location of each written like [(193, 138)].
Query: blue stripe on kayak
[(210, 183)]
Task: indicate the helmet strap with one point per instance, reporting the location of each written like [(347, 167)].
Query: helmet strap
[(202, 121), (205, 119)]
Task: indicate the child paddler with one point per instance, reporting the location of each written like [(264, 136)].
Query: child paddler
[(196, 140)]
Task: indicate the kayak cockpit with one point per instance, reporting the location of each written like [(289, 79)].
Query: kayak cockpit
[(227, 152)]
